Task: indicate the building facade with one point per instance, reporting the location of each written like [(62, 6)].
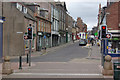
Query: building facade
[(110, 16), (61, 6), (69, 25), (55, 25), (18, 17)]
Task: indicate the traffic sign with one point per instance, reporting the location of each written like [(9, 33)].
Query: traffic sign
[(108, 35), (25, 37)]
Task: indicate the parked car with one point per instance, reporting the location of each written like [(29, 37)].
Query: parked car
[(82, 42)]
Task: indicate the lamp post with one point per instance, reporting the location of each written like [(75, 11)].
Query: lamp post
[(66, 35)]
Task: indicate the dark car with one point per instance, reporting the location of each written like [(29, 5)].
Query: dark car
[(82, 42)]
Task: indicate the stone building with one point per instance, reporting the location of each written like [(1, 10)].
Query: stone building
[(61, 6), (18, 18), (69, 25), (55, 24), (42, 13)]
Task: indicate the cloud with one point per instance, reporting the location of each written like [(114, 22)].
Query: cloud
[(88, 11)]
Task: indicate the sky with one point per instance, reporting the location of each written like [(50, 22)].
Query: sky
[(86, 9)]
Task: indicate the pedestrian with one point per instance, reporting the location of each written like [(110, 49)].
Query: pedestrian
[(92, 42)]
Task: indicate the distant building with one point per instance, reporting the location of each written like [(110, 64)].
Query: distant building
[(94, 30), (69, 26), (82, 26)]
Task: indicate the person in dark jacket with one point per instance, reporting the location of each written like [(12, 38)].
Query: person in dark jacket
[(92, 42)]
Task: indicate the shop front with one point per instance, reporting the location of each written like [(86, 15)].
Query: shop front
[(55, 40), (48, 40), (114, 46), (39, 41)]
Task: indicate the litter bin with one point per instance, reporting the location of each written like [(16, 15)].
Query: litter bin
[(116, 70)]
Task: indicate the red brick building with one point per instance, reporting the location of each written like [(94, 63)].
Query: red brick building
[(110, 15), (82, 26), (113, 23), (113, 17)]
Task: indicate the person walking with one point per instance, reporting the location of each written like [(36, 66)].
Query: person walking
[(92, 42)]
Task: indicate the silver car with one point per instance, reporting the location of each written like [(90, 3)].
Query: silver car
[(82, 42)]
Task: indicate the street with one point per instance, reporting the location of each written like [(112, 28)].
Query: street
[(60, 39), (71, 61), (64, 54)]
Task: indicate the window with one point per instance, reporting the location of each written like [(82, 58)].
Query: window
[(44, 27), (54, 25), (33, 24), (38, 10), (39, 26), (19, 6), (25, 10)]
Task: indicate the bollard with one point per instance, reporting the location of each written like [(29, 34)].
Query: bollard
[(6, 67), (107, 68)]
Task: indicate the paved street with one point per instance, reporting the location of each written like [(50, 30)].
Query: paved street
[(63, 54), (71, 61)]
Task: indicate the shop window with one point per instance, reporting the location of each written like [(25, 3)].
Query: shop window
[(39, 26)]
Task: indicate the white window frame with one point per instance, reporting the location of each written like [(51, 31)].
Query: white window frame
[(19, 6), (25, 10)]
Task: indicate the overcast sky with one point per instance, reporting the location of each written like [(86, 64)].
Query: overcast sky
[(86, 9)]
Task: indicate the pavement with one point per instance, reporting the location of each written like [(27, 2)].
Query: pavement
[(86, 67)]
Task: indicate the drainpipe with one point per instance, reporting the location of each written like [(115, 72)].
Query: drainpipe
[(1, 37)]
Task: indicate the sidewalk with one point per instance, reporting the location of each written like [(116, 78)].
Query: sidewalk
[(94, 55)]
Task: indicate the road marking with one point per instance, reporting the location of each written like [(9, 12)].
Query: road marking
[(57, 74)]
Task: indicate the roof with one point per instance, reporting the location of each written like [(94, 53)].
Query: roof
[(31, 4), (63, 4)]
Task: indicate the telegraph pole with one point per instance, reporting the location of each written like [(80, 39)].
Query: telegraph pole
[(30, 53)]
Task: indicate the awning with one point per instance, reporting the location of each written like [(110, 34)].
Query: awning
[(115, 39)]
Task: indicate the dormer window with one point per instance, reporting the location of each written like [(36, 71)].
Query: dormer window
[(38, 10), (25, 10), (19, 6)]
